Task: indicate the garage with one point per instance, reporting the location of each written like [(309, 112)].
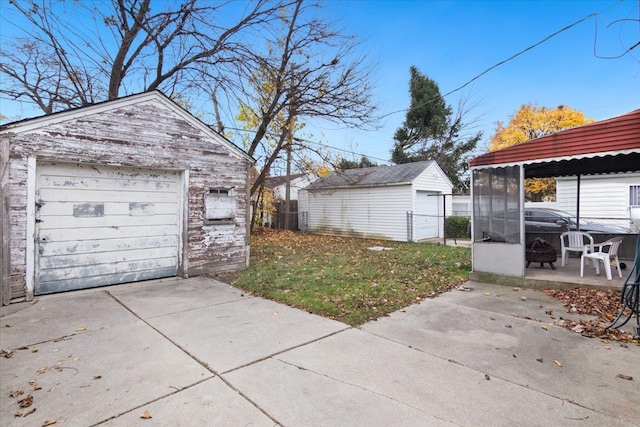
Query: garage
[(400, 202), (126, 190), (100, 225)]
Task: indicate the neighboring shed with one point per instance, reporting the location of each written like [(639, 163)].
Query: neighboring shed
[(285, 216), (404, 202), (278, 185), (125, 190)]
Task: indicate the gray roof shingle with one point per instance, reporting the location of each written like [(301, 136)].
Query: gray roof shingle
[(367, 177)]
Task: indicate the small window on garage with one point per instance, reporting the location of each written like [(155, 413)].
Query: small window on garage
[(220, 205)]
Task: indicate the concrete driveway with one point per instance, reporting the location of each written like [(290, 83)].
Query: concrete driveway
[(200, 352)]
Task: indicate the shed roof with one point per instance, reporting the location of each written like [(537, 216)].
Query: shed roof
[(31, 124), (366, 177), (275, 181), (611, 145)]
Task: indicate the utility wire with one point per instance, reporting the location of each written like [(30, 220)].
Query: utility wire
[(495, 66)]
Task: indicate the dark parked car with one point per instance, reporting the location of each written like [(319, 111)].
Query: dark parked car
[(545, 220)]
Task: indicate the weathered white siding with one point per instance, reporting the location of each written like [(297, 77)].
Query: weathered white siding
[(605, 196), (101, 225), (369, 212), (429, 205), (144, 131)]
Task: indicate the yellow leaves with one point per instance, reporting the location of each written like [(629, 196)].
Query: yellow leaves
[(146, 415), (531, 122), (557, 362)]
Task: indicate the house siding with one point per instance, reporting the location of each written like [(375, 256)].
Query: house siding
[(147, 134), (369, 212), (613, 188)]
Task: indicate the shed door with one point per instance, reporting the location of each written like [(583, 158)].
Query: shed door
[(426, 219), (102, 225)]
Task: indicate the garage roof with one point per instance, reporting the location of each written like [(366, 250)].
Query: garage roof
[(366, 177), (607, 146)]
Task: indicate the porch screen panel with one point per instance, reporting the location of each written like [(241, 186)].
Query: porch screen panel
[(496, 205)]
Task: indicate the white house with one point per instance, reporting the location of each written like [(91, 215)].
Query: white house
[(614, 197), (403, 202)]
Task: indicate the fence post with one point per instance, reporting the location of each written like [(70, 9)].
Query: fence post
[(444, 217), (409, 226)]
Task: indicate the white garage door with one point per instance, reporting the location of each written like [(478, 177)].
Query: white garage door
[(102, 225), (426, 222)]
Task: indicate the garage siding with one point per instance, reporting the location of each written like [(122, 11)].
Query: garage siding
[(373, 212)]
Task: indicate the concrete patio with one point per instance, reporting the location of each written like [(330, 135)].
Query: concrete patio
[(200, 352)]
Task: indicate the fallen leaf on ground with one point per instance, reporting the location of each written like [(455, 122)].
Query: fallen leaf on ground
[(48, 423), (603, 303), (539, 359), (624, 377), (81, 329), (16, 393), (487, 377), (487, 293), (26, 401), (29, 412), (545, 328), (507, 326), (146, 415), (35, 350), (7, 354), (97, 377), (557, 362)]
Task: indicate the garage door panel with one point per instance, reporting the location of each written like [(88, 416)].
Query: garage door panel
[(95, 246), (63, 235), (70, 170), (48, 261), (108, 279), (72, 267), (105, 225), (83, 196), (110, 208), (65, 222), (87, 183)]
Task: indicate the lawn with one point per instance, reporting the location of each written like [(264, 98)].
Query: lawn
[(342, 278)]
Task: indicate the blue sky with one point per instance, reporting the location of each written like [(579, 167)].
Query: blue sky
[(454, 41)]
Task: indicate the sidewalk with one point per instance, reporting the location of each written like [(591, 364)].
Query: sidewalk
[(199, 352)]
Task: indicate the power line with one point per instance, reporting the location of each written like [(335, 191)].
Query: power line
[(308, 141), (496, 65)]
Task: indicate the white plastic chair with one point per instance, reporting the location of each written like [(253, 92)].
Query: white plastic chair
[(598, 255), (573, 241)]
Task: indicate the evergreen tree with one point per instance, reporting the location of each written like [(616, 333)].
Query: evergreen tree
[(433, 131)]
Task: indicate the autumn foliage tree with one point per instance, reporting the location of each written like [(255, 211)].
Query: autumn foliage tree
[(531, 122)]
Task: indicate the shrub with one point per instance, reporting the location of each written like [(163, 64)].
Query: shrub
[(458, 227)]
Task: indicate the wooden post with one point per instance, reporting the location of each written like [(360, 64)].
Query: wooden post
[(5, 245)]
